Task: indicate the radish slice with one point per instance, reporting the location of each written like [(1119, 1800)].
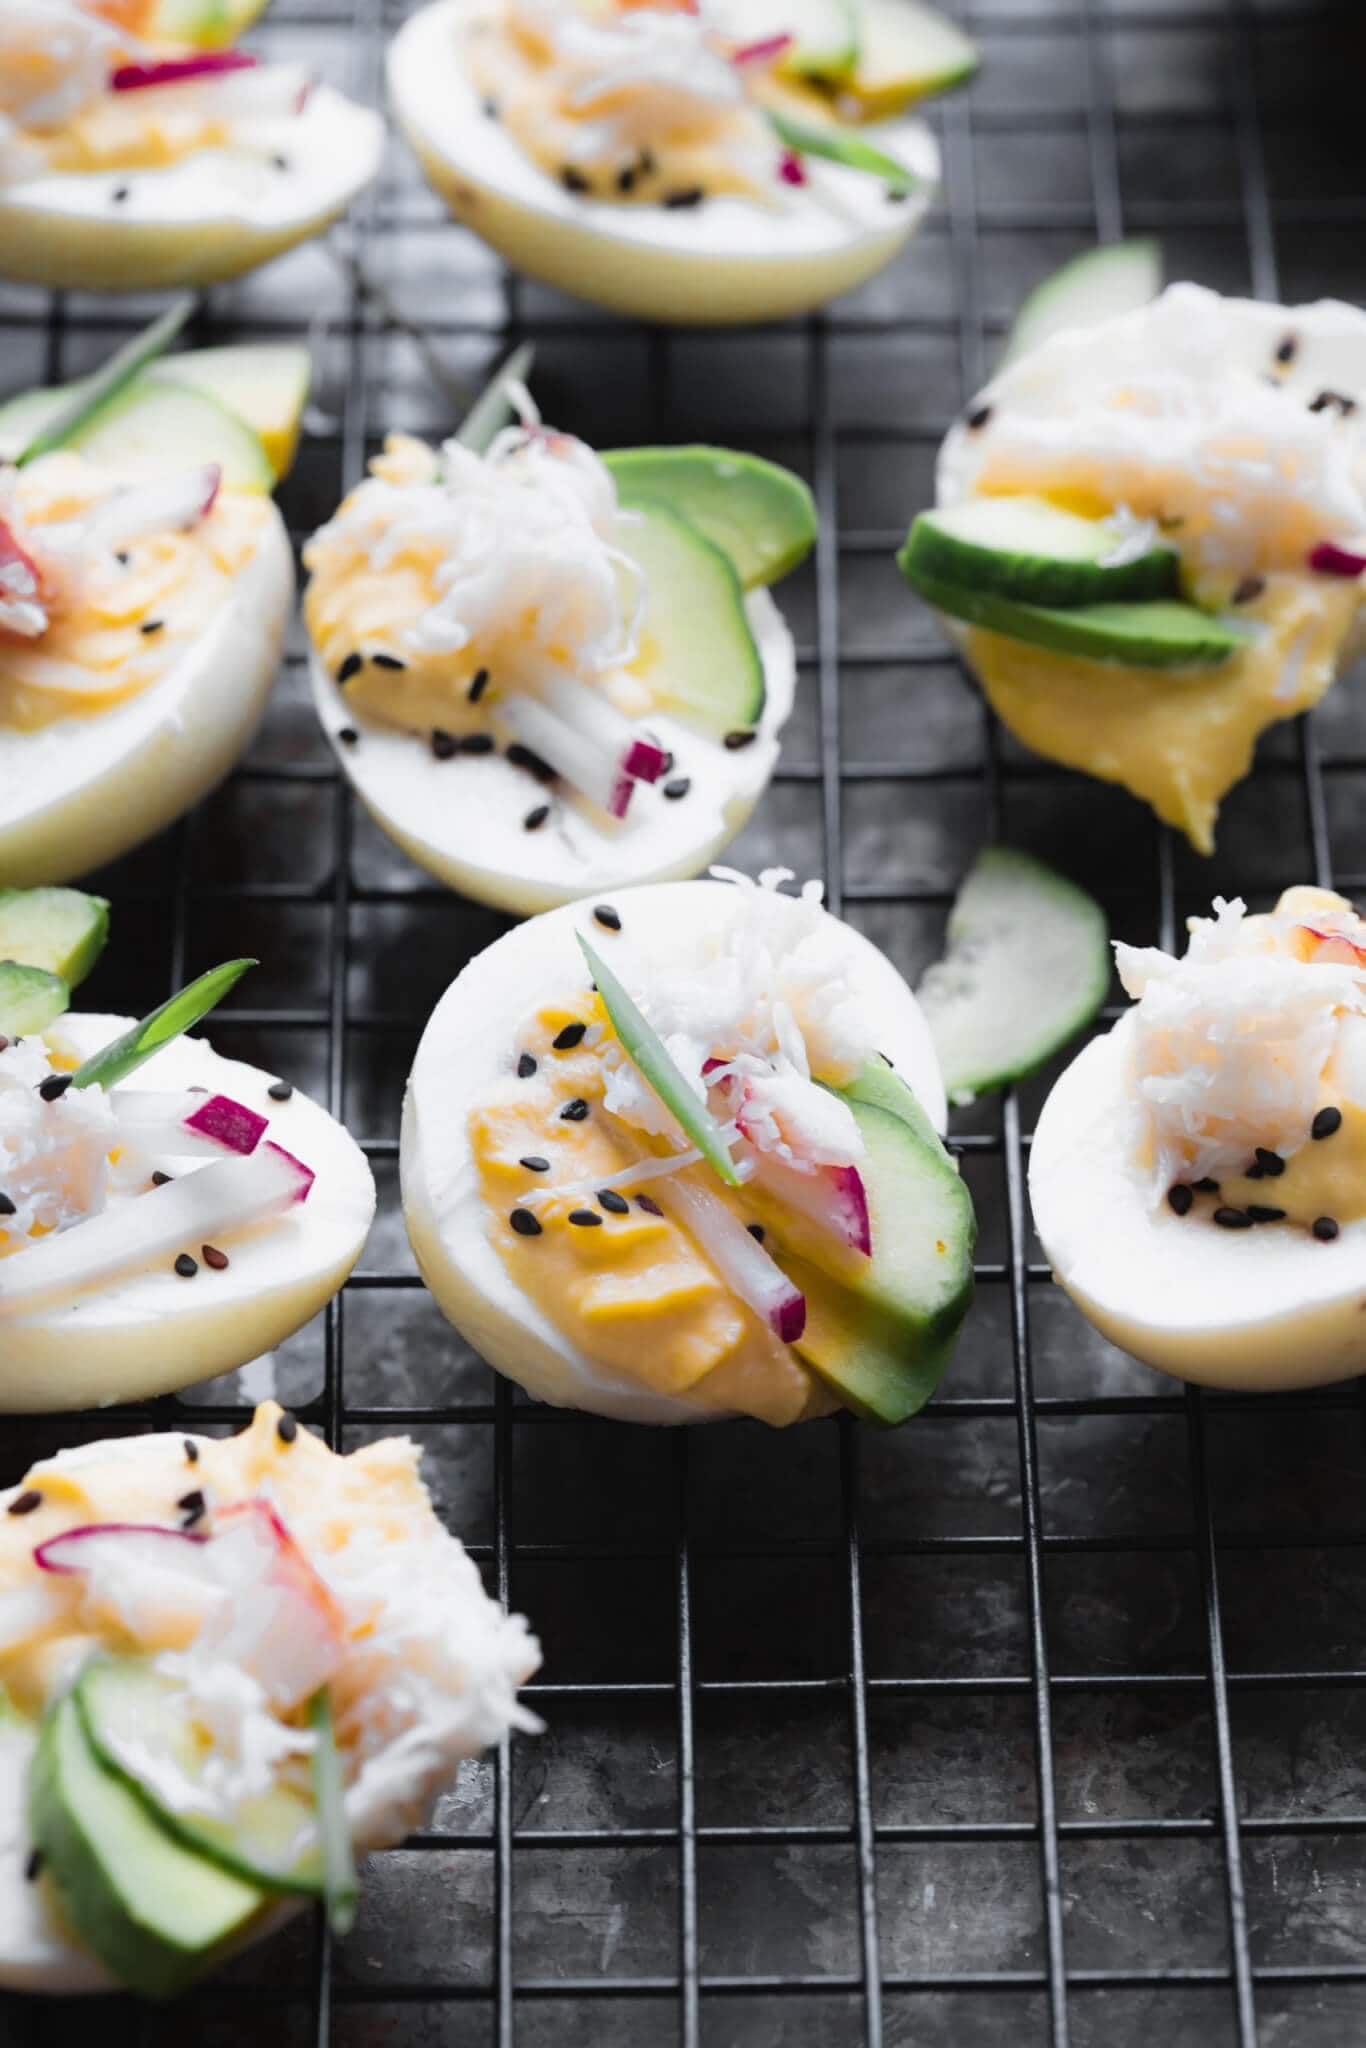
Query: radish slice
[(158, 507), (153, 1581), (741, 1260), (283, 1624), (1331, 560), (832, 1197), (766, 51), (22, 611), (569, 753), (209, 1204), (599, 722), (176, 70), (234, 92), (1333, 949), (186, 1124), (86, 1548)]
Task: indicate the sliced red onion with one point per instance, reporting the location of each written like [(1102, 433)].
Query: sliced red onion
[(766, 51), (205, 1205), (186, 1124), (832, 1197), (177, 70), (1329, 559), (744, 1265), (85, 1548), (599, 776), (162, 506)]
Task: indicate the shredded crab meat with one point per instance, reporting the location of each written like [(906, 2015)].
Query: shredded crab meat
[(54, 59), (1229, 1045), (55, 1164)]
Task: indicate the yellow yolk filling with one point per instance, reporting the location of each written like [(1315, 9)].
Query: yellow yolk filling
[(377, 1486), (1179, 739), (1325, 1177), (634, 1293), (122, 627), (116, 133)]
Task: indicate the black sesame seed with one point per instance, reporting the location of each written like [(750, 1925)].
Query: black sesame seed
[(25, 1503), (120, 193), (677, 202), (55, 1087), (572, 1035), (1250, 588), (150, 626), (585, 1219), (1261, 1214), (524, 1223), (1271, 1163), (1255, 1172), (756, 1231), (1325, 1229), (978, 418), (649, 1205), (186, 1267), (393, 662), (735, 742), (1205, 1186), (647, 162), (1287, 348), (534, 820), (626, 178), (443, 745), (1326, 1123), (122, 557), (194, 1507), (280, 1091), (896, 196), (216, 1260), (7, 1207), (1337, 399), (609, 919), (478, 686), (191, 1451), (33, 1868), (1180, 1199), (613, 1203), (477, 743), (534, 1163), (666, 766), (281, 162), (491, 109), (348, 735), (352, 666), (574, 1112), (679, 787), (522, 757), (162, 1180), (1233, 1219), (287, 1428), (526, 1067), (573, 180)]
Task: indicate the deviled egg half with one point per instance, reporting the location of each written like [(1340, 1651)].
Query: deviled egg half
[(1198, 1174), (1150, 537), (131, 160), (548, 673), (146, 581), (691, 160), (674, 1157), (165, 1214), (227, 1668)]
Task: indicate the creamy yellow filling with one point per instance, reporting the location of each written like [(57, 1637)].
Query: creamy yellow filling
[(126, 132), (634, 1292), (1325, 1177)]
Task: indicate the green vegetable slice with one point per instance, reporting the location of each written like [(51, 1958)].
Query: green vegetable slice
[(115, 1062), (842, 148), (30, 998), (107, 382), (342, 1886), (648, 1051), (493, 409)]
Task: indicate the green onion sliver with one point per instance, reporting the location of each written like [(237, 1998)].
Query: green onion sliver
[(116, 1061)]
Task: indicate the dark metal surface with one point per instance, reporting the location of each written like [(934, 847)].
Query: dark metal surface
[(1040, 1720)]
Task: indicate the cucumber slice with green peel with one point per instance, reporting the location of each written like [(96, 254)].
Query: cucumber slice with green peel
[(1098, 285), (845, 146), (906, 52), (30, 999), (697, 650), (152, 1911), (1029, 549), (1027, 968), (1159, 634), (760, 515), (77, 404), (136, 1721), (266, 386), (61, 930)]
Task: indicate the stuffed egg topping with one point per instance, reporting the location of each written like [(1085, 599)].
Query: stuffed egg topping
[(227, 1668), (694, 160), (146, 581), (165, 1214), (1150, 539), (1199, 1173), (542, 670), (131, 160), (674, 1157)]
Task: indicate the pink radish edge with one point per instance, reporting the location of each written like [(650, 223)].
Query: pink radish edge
[(644, 760), (304, 1174), (1331, 560), (180, 70), (765, 51), (228, 1123), (46, 1559)]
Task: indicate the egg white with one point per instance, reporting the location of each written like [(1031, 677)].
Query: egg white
[(213, 215), (82, 791), (152, 1332), (730, 260), (462, 819), (1254, 1309), (470, 1045)]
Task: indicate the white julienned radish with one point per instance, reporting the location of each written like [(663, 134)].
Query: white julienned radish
[(22, 611), (741, 1260), (599, 721), (766, 51), (158, 507), (832, 1197), (229, 1195), (237, 91), (186, 1124), (601, 779), (782, 1118)]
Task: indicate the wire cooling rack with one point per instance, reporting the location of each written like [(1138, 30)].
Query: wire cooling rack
[(1039, 1720)]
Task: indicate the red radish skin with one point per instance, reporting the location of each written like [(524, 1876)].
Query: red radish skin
[(56, 1555), (766, 51), (832, 1197), (14, 557), (294, 1643), (1331, 560), (305, 1175), (644, 761), (179, 70), (1334, 948), (228, 1123)]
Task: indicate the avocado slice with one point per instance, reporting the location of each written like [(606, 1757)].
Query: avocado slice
[(905, 52), (1160, 633), (265, 385), (760, 515), (30, 999), (697, 651), (154, 1913), (1029, 549), (151, 427), (61, 930)]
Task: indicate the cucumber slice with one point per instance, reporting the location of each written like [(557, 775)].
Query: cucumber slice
[(825, 34), (1159, 634), (61, 930), (153, 427), (696, 650), (1028, 549), (30, 999), (135, 1720), (205, 24), (906, 52), (266, 387), (761, 516), (1097, 285), (1028, 967)]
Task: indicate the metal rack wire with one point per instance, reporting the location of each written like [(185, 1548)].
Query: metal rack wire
[(1099, 1780)]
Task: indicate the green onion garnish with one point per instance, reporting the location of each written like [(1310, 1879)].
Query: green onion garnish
[(341, 1886), (493, 409), (87, 397), (125, 1055), (842, 148)]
